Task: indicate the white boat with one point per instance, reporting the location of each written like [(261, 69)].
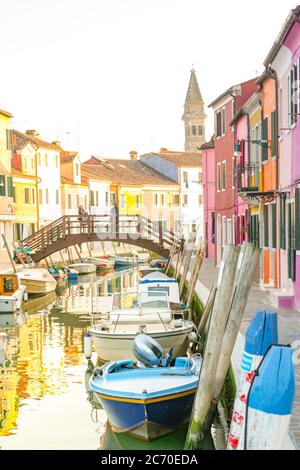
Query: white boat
[(113, 335), (37, 281), (160, 282), (83, 268), (11, 293)]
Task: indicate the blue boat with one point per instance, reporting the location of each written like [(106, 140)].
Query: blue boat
[(147, 402)]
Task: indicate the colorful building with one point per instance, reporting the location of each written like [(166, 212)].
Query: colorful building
[(7, 216), (225, 108), (25, 183), (74, 186), (209, 190)]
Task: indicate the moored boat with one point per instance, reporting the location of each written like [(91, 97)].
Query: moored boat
[(124, 261), (113, 334), (37, 281), (11, 293), (160, 282), (102, 264), (150, 399), (83, 268)]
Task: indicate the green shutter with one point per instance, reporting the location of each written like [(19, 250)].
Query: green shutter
[(274, 134), (2, 185), (282, 223), (266, 226), (297, 219), (291, 243), (265, 138), (274, 234), (9, 186)]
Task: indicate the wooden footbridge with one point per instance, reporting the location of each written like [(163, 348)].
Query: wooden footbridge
[(133, 230)]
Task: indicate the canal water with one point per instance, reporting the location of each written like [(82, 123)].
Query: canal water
[(44, 399)]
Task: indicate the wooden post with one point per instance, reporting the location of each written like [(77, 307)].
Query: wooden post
[(171, 255), (70, 257), (114, 247), (62, 258), (186, 265), (103, 248), (207, 310), (244, 282), (78, 253), (194, 277), (160, 232), (213, 347), (89, 250), (28, 258), (9, 253), (47, 263)]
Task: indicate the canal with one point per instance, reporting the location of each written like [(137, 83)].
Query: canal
[(44, 400)]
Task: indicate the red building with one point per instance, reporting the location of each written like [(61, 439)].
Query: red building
[(225, 108)]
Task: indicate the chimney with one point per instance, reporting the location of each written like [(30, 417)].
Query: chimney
[(133, 155), (57, 143), (163, 150), (33, 133)]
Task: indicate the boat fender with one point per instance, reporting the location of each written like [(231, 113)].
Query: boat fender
[(87, 346), (25, 296), (98, 372), (147, 350)]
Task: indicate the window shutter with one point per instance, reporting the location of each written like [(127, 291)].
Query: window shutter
[(2, 185), (274, 237), (265, 138), (266, 226), (274, 134), (282, 223), (9, 187), (297, 219)]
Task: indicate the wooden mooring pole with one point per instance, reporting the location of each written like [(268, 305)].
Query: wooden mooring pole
[(187, 259), (204, 395), (195, 274), (9, 253)]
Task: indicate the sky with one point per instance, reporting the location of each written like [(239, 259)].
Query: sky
[(110, 76)]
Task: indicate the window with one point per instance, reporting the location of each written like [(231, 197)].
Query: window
[(218, 123), (46, 159), (77, 169), (229, 232), (137, 201), (26, 196), (185, 200), (200, 177), (47, 196), (155, 200), (223, 121), (162, 200), (265, 138), (33, 195), (274, 146), (224, 176), (185, 176), (266, 226), (200, 130), (176, 200), (85, 202), (274, 220), (122, 201), (25, 163), (282, 226), (92, 198), (295, 93), (56, 161), (194, 130), (32, 164), (106, 198), (177, 225), (77, 200), (194, 228), (219, 177), (224, 231), (69, 201), (233, 108), (9, 186), (200, 199), (40, 196), (112, 199), (14, 194), (57, 196), (39, 159)]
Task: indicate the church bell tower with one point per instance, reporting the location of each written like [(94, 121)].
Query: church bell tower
[(194, 116)]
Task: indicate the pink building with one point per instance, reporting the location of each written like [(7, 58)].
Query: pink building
[(209, 190)]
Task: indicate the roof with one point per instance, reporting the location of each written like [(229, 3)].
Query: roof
[(5, 113), (268, 73), (20, 140), (67, 157), (208, 145), (126, 172), (193, 93), (65, 180), (3, 170), (181, 159), (229, 91), (89, 176), (291, 19), (19, 174), (241, 112)]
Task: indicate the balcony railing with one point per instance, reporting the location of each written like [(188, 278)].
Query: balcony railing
[(248, 177)]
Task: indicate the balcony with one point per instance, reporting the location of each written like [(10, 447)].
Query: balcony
[(249, 184)]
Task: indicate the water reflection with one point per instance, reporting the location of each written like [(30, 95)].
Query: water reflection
[(41, 356)]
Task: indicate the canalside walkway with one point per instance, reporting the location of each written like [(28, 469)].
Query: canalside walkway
[(288, 323)]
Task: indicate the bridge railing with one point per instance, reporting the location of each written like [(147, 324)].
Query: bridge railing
[(106, 227)]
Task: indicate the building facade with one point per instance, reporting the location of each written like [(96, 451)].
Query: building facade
[(74, 187), (209, 190)]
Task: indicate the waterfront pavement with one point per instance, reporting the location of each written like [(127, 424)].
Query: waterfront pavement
[(288, 324)]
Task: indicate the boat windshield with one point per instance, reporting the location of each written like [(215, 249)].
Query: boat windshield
[(153, 300)]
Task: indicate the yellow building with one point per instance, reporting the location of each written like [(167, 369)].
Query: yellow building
[(24, 185), (7, 216), (137, 189)]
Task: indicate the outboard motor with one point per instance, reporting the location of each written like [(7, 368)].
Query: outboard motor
[(149, 352)]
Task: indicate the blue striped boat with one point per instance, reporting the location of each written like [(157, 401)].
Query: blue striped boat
[(147, 402)]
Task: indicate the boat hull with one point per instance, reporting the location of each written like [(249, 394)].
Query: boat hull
[(148, 419), (84, 268), (10, 304), (35, 287), (114, 346)]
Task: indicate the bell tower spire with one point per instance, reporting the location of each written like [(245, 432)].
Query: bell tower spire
[(194, 116)]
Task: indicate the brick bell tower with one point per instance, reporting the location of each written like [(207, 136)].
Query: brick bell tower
[(194, 116)]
